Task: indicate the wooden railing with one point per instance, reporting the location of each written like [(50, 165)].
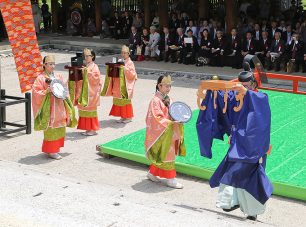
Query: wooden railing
[(294, 79)]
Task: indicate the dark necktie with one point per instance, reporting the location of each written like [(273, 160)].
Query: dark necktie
[(293, 51)]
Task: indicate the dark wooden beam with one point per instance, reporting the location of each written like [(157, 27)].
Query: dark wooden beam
[(98, 15), (203, 9), (54, 11), (147, 19), (163, 13), (230, 17)]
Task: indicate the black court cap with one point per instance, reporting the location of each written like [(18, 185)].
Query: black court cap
[(245, 76)]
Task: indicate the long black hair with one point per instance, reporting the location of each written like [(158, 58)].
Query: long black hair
[(159, 80), (93, 54)]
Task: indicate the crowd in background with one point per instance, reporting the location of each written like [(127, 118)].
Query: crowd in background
[(277, 41)]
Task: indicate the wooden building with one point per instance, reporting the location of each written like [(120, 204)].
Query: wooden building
[(97, 9)]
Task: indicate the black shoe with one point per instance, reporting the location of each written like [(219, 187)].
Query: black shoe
[(252, 218), (180, 62), (232, 208)]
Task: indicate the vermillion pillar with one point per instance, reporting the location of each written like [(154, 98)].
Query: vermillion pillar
[(230, 11), (98, 15), (163, 13), (54, 10), (147, 19)]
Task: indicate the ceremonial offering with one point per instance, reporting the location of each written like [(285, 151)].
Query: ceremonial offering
[(215, 86), (113, 68), (58, 89), (180, 112)]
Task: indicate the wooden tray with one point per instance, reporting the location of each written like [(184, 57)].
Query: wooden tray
[(217, 85)]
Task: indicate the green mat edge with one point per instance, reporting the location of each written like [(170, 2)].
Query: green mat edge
[(280, 189)]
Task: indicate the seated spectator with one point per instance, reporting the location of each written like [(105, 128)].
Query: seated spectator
[(104, 29), (257, 32), (134, 42), (70, 28), (165, 42), (155, 21), (192, 28), (174, 24), (116, 26), (203, 26), (287, 35), (127, 22), (184, 20), (152, 47), (293, 56), (213, 30), (137, 22), (91, 28), (275, 54), (204, 49), (264, 26), (264, 46), (145, 37), (234, 58), (273, 29), (249, 45), (189, 49), (219, 50), (282, 27), (176, 52)]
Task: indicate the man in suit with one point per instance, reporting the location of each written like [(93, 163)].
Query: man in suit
[(294, 52), (219, 50), (134, 42), (174, 24), (278, 48), (189, 49), (257, 32), (249, 45), (116, 26), (273, 29), (179, 44), (213, 30), (264, 46), (166, 40), (287, 35), (234, 58), (127, 22)]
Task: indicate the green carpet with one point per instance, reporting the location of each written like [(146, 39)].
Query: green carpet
[(286, 166)]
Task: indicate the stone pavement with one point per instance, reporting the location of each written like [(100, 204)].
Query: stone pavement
[(102, 192)]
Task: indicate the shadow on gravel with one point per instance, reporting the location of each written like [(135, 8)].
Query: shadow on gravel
[(148, 186), (74, 136), (111, 123), (40, 159)]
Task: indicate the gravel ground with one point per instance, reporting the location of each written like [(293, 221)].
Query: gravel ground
[(83, 189)]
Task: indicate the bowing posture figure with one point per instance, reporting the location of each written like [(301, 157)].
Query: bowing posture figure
[(164, 137), (51, 114), (122, 88), (88, 95), (241, 176)]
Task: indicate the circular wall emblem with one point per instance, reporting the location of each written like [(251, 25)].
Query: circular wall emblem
[(76, 17)]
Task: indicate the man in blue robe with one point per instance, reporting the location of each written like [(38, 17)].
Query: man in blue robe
[(241, 176)]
